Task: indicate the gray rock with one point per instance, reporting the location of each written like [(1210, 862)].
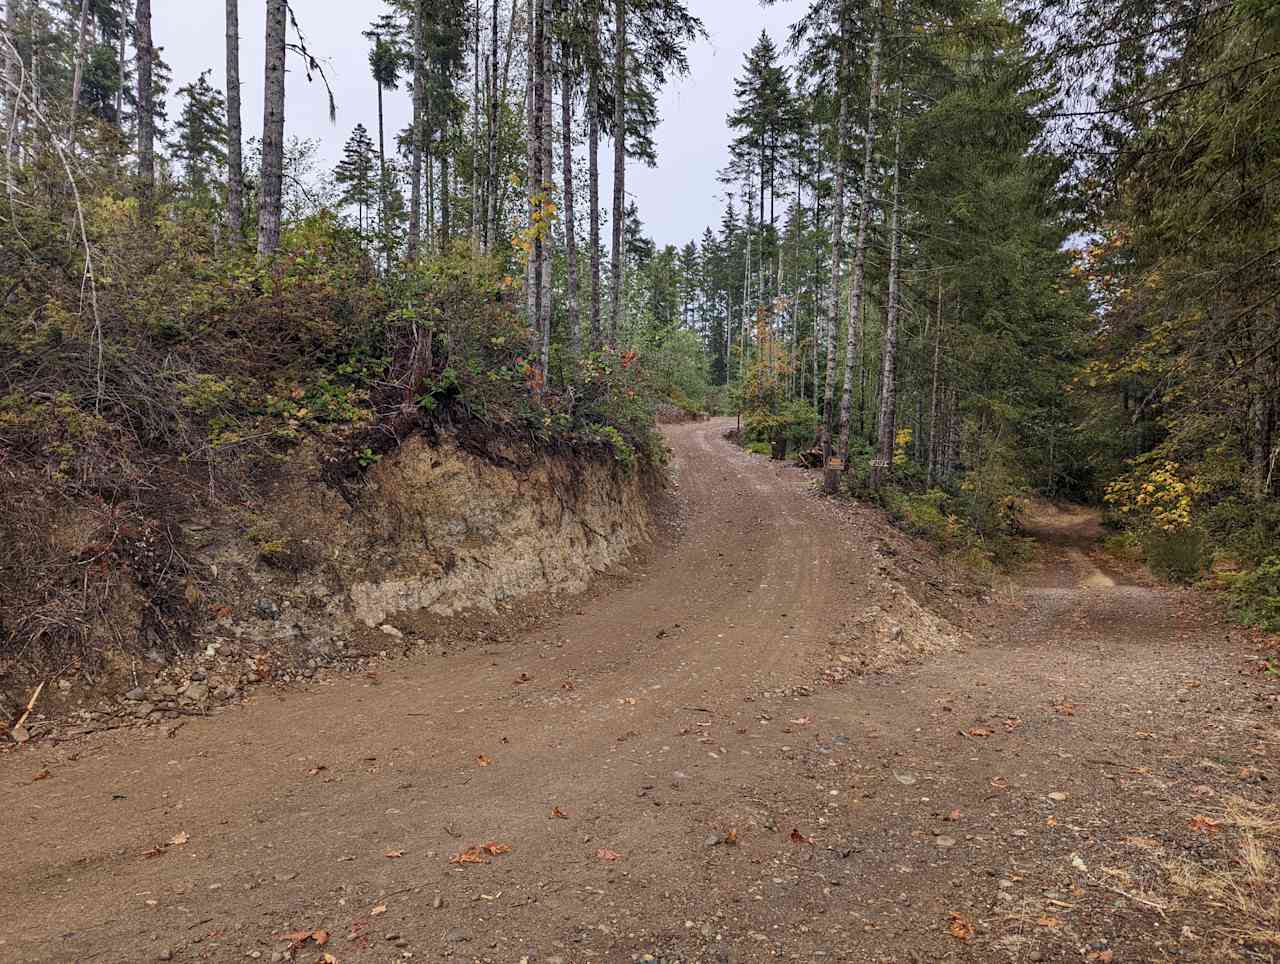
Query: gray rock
[(143, 710), (944, 841), (199, 675), (135, 695), (267, 609), (166, 955), (456, 936), (195, 693), (155, 656)]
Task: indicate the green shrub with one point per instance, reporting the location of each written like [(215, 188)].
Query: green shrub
[(1256, 595), (924, 515), (758, 448), (1178, 556)]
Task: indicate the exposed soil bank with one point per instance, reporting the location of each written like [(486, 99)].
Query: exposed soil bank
[(298, 578)]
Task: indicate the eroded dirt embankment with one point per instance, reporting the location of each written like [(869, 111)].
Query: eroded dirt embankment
[(300, 579)]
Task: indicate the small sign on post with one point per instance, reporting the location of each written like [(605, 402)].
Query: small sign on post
[(835, 463), (879, 463)]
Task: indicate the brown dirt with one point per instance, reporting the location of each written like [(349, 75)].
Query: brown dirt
[(693, 701)]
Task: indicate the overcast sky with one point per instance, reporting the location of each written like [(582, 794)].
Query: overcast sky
[(677, 199)]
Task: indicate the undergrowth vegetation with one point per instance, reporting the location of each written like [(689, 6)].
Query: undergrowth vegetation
[(202, 369)]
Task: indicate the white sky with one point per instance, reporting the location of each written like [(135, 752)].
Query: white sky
[(677, 199)]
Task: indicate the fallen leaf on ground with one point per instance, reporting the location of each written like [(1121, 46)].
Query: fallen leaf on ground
[(959, 927), (1057, 796), (472, 855), (979, 731), (1012, 724), (493, 849), (627, 701), (799, 838), (484, 761), (1066, 709), (321, 937), (1202, 824), (559, 814), (153, 852), (1000, 783), (380, 909), (179, 839), (1078, 862), (604, 853), (953, 816), (394, 854), (1102, 957), (1051, 922), (802, 720), (731, 838), (315, 770)]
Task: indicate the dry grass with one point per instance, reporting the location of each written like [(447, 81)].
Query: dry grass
[(1233, 886)]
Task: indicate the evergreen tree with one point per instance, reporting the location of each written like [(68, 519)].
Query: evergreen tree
[(357, 174), (201, 144)]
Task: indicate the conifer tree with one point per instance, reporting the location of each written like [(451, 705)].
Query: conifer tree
[(358, 175), (201, 144)]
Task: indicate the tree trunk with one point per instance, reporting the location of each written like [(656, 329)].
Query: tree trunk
[(889, 353), (570, 220), (933, 399), (831, 473), (619, 167), (503, 184), (13, 73), (1263, 402), (270, 192), (235, 137), (382, 178), (475, 135), (546, 143), (446, 210), (593, 176), (491, 203), (120, 53), (78, 72), (852, 341), (415, 150), (533, 179), (146, 113)]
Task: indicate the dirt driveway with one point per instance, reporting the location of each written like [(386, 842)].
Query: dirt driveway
[(674, 776)]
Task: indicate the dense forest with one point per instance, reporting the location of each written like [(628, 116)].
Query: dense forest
[(971, 252)]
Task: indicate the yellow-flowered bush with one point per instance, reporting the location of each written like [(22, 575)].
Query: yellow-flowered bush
[(1154, 497)]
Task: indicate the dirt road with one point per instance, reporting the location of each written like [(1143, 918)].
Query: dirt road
[(614, 749)]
